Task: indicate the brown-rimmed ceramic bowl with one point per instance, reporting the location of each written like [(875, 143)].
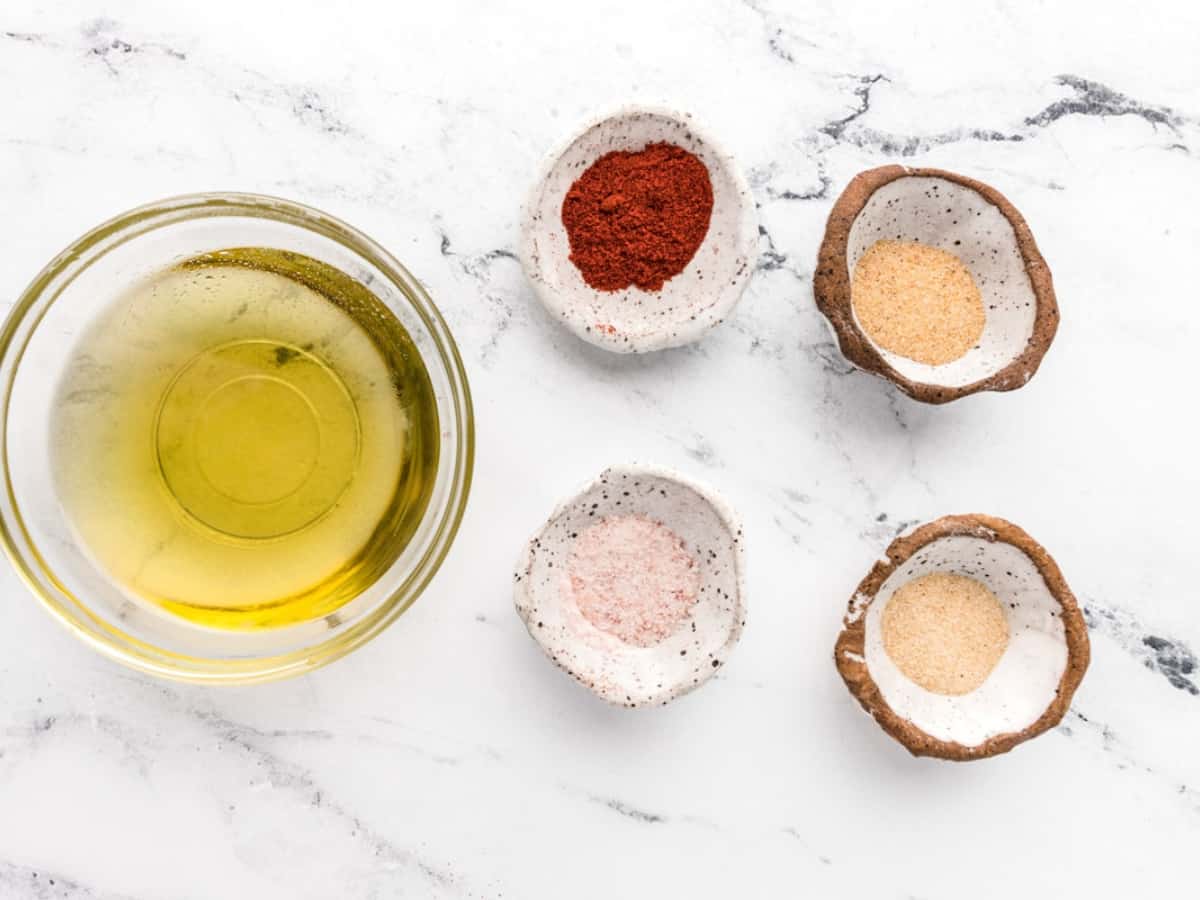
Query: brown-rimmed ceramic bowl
[(982, 228), (1031, 686)]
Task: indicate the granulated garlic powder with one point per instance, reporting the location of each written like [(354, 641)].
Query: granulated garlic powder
[(917, 301), (945, 632)]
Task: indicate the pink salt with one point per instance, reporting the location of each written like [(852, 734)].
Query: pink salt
[(634, 578)]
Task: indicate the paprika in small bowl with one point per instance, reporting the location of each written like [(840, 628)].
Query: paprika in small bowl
[(640, 234)]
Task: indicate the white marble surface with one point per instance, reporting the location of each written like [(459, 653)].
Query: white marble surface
[(449, 758)]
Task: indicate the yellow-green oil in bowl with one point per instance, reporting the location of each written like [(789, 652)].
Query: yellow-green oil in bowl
[(246, 439)]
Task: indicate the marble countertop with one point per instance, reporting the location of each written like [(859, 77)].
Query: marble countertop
[(449, 758)]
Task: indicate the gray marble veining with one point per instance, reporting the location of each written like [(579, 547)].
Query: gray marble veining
[(448, 758)]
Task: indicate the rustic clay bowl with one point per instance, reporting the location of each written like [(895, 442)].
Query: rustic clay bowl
[(618, 672), (978, 225), (632, 320), (1031, 687)]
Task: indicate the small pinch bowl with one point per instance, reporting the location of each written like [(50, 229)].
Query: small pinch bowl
[(618, 672), (39, 339), (981, 227), (631, 320), (1028, 691)]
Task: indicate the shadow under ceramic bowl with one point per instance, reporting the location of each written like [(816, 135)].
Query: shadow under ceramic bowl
[(39, 339)]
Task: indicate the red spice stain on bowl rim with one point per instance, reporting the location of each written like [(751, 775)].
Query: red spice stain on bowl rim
[(689, 304), (832, 281)]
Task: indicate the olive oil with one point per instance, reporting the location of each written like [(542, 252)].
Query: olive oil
[(246, 439)]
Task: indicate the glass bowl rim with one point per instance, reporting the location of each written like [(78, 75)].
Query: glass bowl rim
[(58, 274)]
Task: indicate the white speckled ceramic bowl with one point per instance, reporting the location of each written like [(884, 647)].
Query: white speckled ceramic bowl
[(619, 672), (977, 224), (1031, 686), (632, 320)]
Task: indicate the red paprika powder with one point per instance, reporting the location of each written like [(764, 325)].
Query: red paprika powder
[(637, 218)]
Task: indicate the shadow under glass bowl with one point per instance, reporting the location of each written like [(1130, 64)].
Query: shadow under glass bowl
[(36, 344)]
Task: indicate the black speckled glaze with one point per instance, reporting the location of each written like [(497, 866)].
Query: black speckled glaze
[(618, 672), (632, 320)]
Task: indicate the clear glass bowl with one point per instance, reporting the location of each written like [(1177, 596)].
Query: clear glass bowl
[(35, 346)]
